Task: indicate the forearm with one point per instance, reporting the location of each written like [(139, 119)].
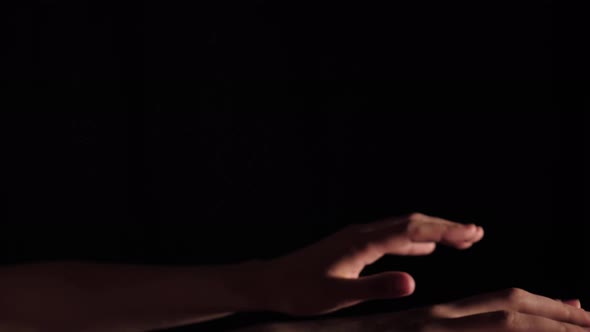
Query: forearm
[(100, 297)]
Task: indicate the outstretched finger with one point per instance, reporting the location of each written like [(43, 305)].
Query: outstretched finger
[(503, 321), (416, 234), (388, 285), (516, 300)]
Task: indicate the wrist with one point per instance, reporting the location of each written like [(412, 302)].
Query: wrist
[(253, 282)]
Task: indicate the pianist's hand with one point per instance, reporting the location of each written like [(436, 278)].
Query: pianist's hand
[(511, 310), (325, 276)]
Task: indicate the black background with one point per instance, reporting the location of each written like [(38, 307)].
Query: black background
[(211, 133)]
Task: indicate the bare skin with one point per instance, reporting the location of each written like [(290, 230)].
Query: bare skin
[(330, 269), (322, 278), (511, 310)]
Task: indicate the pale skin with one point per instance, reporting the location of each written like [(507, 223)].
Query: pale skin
[(319, 279)]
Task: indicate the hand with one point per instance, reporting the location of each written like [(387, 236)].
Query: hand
[(325, 277), (511, 310)]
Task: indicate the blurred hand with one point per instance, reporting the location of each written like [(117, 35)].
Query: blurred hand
[(511, 310), (325, 276)]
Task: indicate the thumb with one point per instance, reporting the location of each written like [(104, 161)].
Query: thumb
[(389, 285)]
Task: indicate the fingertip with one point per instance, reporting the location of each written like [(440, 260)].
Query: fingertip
[(574, 303), (467, 233), (478, 234), (400, 284), (481, 232), (409, 283)]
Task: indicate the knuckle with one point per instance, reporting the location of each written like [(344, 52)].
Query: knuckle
[(506, 319), (415, 216), (514, 296), (414, 230), (438, 311), (364, 247), (372, 247), (413, 226), (567, 314)]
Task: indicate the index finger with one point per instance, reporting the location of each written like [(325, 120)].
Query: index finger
[(403, 222), (517, 300), (503, 321)]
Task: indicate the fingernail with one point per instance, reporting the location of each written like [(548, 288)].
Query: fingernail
[(574, 302)]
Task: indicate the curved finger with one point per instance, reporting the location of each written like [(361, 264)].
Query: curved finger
[(516, 300)]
